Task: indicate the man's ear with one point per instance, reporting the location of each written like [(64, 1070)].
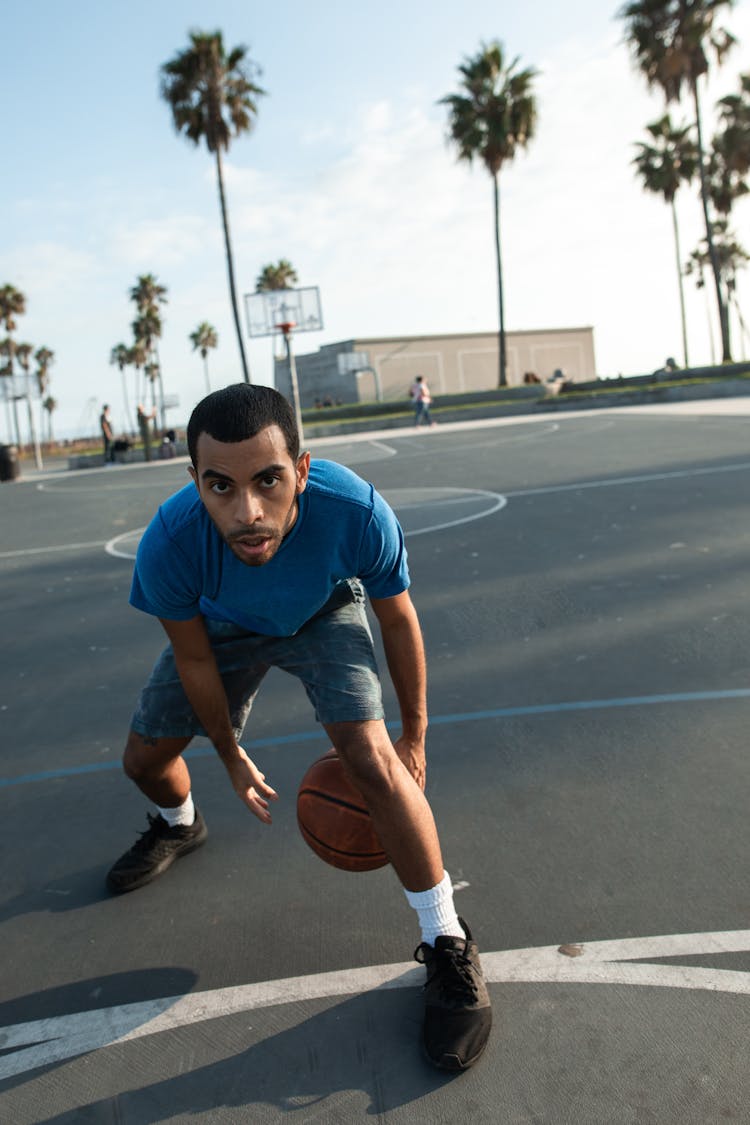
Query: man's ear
[(303, 471), (193, 474)]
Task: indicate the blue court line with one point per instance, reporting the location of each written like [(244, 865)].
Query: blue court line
[(435, 721)]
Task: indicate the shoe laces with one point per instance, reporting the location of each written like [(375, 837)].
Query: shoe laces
[(150, 834), (453, 969)]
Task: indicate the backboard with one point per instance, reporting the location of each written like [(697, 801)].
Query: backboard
[(266, 311), (353, 361)]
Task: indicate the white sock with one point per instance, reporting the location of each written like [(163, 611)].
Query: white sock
[(184, 814), (436, 912)]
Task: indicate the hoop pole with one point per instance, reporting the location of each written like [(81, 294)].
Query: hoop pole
[(286, 330)]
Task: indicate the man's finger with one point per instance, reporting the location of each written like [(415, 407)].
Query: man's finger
[(259, 807)]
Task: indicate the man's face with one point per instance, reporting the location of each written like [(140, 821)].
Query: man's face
[(250, 489)]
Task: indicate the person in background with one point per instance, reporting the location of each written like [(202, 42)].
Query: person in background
[(422, 399), (145, 420), (108, 437)]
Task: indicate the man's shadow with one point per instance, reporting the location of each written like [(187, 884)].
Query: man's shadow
[(367, 1045), (58, 896)]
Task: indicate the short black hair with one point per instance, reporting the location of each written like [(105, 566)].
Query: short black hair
[(239, 412)]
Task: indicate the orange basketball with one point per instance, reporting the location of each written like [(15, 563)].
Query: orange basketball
[(334, 820)]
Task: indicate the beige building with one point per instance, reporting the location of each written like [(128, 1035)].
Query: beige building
[(451, 364)]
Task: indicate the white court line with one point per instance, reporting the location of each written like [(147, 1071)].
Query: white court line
[(642, 478), (497, 503), (112, 548), (46, 1041), (48, 550)]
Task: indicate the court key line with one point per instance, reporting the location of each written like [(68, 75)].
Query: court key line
[(49, 550), (46, 1041), (435, 721)]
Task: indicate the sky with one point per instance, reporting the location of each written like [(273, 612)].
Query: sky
[(348, 174)]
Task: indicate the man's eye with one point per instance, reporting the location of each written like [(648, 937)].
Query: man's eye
[(220, 487), (269, 481)]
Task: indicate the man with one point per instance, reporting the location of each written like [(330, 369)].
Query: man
[(145, 420), (108, 436), (261, 562)]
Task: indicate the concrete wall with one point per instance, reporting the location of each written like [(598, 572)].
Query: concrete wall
[(451, 364)]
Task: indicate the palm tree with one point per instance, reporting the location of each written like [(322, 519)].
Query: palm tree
[(729, 160), (273, 277), (44, 359), (50, 405), (732, 258), (148, 295), (205, 337), (138, 357), (213, 97), (670, 41), (734, 115), (12, 304), (152, 372), (23, 353), (120, 357), (493, 116), (672, 159)]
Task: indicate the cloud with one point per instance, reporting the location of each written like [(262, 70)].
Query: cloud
[(156, 244), (400, 237)]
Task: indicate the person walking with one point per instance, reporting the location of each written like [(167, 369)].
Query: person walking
[(145, 427), (265, 560), (108, 437), (422, 399)]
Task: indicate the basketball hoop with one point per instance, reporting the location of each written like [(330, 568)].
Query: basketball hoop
[(268, 313), (286, 327)]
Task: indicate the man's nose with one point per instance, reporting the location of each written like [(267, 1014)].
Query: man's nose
[(249, 507)]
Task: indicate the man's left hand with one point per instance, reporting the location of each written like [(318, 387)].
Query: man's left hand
[(411, 752)]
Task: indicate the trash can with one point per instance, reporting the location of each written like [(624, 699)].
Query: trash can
[(9, 466)]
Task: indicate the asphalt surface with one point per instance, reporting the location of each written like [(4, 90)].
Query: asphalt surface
[(581, 582)]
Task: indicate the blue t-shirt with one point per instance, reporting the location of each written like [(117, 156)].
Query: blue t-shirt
[(344, 529)]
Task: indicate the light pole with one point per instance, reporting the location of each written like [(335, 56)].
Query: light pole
[(286, 330)]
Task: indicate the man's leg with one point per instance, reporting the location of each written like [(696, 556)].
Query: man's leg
[(402, 817), (458, 1015), (158, 769)]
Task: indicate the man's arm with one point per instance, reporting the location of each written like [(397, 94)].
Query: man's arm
[(203, 686), (404, 652)]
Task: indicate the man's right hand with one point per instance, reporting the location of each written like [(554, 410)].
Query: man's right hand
[(250, 786)]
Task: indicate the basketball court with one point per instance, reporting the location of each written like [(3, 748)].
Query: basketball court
[(581, 582)]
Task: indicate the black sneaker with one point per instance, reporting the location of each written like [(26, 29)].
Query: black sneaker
[(458, 1016), (156, 850)]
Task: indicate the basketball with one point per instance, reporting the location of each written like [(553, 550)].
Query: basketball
[(334, 820)]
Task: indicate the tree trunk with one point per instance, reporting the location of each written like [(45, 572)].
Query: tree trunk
[(680, 283), (124, 396), (502, 380), (205, 372), (726, 352), (230, 265), (162, 408)]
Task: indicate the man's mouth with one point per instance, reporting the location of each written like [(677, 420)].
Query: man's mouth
[(250, 546)]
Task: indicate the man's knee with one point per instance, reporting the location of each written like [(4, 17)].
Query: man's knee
[(146, 758), (368, 756)]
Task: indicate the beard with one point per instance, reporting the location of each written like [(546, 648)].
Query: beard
[(256, 544), (254, 548)]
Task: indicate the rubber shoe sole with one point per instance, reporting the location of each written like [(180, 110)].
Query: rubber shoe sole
[(136, 868), (458, 1012)]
